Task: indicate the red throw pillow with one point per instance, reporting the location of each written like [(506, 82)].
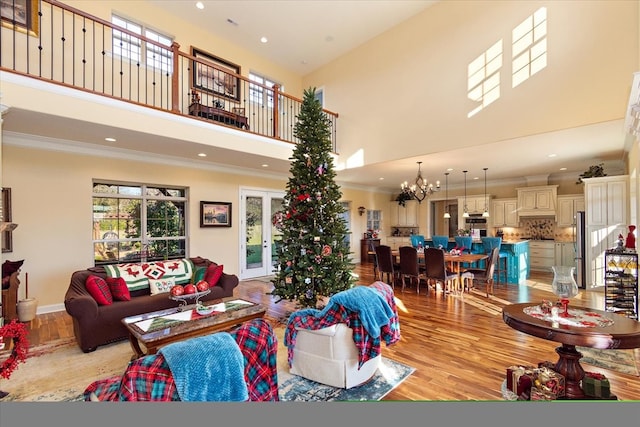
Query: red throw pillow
[(214, 271), (119, 289), (99, 290)]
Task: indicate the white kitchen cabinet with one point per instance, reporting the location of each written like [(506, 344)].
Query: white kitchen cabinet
[(568, 205), (606, 207), (504, 213), (538, 200), (404, 216), (565, 254), (542, 255), (475, 204)]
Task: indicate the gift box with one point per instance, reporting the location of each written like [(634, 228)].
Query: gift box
[(520, 379), (542, 394), (596, 385), (549, 381)]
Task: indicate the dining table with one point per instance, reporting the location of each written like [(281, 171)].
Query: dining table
[(456, 261)]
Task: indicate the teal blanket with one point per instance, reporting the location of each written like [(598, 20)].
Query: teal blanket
[(207, 369)]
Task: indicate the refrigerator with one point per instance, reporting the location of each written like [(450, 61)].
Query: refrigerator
[(580, 250)]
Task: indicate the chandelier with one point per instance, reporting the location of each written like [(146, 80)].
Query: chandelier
[(421, 187)]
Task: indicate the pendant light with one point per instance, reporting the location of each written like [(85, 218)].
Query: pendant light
[(465, 214), (447, 215), (486, 207)]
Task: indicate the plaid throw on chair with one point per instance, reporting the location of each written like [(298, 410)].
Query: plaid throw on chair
[(149, 378)]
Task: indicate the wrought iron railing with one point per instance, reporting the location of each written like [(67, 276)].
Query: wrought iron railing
[(59, 44)]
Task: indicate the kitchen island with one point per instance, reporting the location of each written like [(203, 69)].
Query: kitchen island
[(517, 257)]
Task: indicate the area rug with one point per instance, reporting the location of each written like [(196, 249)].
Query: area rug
[(60, 371), (617, 360), (386, 378)]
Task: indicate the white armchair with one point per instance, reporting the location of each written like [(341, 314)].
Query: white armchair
[(340, 345), (329, 356)]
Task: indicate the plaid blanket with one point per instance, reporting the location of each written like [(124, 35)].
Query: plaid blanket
[(150, 379), (368, 346)]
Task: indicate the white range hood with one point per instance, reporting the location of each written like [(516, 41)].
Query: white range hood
[(538, 199)]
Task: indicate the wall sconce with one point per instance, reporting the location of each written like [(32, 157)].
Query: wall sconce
[(361, 210)]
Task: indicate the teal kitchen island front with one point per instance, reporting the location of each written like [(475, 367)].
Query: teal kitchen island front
[(517, 260)]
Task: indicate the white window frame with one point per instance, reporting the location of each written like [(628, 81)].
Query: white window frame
[(143, 197), (257, 94), (137, 50)]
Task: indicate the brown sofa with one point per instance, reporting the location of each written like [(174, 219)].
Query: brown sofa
[(95, 325)]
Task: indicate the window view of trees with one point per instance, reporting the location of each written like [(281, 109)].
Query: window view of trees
[(138, 223)]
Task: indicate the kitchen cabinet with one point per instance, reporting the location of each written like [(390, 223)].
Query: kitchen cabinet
[(537, 201), (541, 255), (504, 213), (475, 204), (404, 216), (395, 242), (621, 283), (568, 205), (606, 207), (565, 254)]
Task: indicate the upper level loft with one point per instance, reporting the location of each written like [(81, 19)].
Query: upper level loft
[(61, 45)]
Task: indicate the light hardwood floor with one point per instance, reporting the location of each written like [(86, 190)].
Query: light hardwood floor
[(459, 350)]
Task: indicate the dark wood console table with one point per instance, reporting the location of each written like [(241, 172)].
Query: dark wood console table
[(624, 333), (218, 115)]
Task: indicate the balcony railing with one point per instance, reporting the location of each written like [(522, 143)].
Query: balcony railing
[(66, 46)]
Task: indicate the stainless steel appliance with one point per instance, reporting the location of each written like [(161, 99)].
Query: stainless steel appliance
[(580, 248)]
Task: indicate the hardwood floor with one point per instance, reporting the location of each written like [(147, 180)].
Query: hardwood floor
[(459, 350)]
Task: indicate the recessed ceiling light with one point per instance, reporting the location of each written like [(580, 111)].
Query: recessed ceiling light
[(264, 165), (202, 155), (381, 178), (263, 39), (109, 139), (449, 169), (199, 5), (552, 155), (563, 169)]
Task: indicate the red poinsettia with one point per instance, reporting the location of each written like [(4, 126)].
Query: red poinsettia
[(18, 332)]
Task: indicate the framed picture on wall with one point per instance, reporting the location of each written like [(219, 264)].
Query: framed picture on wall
[(218, 78), (20, 14), (215, 214)]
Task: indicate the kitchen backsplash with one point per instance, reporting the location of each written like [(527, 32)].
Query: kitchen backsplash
[(539, 228)]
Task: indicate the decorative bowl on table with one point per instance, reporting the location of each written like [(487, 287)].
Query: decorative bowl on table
[(203, 310)]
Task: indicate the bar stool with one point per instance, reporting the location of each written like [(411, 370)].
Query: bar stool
[(502, 264)]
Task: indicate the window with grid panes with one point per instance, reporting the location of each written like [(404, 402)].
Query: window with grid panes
[(131, 47), (138, 222), (258, 94)]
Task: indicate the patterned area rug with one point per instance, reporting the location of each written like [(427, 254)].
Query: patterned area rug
[(624, 361), (388, 376)]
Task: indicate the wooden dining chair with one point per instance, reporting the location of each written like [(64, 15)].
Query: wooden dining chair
[(485, 275), (436, 270), (411, 268), (387, 264)]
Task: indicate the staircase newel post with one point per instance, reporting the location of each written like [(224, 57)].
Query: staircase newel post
[(175, 96), (276, 108)]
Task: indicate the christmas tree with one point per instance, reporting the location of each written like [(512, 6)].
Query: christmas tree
[(313, 256)]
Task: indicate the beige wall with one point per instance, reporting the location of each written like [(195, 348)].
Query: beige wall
[(419, 70), (51, 200)]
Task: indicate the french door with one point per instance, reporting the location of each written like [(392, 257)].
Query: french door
[(258, 236)]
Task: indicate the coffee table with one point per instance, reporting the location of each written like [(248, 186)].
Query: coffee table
[(158, 328)]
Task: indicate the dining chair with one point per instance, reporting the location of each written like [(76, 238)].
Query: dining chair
[(441, 242), (486, 274), (465, 242), (501, 266), (386, 264), (436, 270), (410, 267), (417, 240)]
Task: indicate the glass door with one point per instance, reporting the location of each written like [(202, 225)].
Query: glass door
[(258, 237)]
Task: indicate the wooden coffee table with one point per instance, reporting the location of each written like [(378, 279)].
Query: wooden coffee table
[(158, 328)]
